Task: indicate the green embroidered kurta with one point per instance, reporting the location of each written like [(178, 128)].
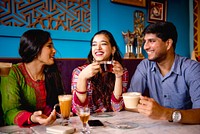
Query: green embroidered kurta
[(21, 96)]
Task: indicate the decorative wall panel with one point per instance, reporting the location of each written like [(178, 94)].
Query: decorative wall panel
[(60, 17), (196, 12)]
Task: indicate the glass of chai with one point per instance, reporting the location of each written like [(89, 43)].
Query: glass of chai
[(106, 66), (65, 102), (84, 114)]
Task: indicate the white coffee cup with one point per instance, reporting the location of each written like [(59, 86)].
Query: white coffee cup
[(131, 100)]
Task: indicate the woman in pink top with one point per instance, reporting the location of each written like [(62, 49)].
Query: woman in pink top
[(101, 91)]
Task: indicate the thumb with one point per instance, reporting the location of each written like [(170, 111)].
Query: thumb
[(37, 113), (53, 112)]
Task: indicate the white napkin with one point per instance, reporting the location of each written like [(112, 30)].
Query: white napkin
[(58, 129)]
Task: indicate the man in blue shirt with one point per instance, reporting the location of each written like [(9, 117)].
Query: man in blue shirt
[(172, 81)]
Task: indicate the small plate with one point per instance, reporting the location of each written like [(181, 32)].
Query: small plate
[(102, 115), (123, 125)]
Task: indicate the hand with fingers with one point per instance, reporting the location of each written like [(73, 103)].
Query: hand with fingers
[(150, 108), (38, 117)]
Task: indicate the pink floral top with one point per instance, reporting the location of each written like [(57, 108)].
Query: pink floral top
[(116, 104)]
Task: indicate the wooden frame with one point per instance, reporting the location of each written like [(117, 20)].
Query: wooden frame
[(196, 28), (141, 3), (157, 10)]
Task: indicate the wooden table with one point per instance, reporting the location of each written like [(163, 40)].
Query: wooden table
[(114, 123)]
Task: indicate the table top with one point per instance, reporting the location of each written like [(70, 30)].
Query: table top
[(118, 123)]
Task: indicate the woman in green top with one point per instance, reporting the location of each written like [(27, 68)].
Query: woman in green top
[(32, 87)]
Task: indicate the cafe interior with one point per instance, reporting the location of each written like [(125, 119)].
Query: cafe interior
[(72, 23)]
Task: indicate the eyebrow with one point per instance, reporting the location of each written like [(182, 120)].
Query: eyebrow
[(101, 41), (50, 42)]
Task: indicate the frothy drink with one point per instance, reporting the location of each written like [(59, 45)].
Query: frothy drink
[(5, 68), (65, 102), (131, 99), (106, 66)]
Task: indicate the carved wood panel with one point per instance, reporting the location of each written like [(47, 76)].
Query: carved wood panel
[(196, 13), (69, 15)]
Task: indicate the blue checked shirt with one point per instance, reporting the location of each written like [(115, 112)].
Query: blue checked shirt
[(179, 89)]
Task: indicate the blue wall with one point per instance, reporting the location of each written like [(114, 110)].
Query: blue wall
[(115, 18)]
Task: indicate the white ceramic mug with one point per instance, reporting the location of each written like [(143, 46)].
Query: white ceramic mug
[(131, 99)]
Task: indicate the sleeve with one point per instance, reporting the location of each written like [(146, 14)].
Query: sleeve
[(75, 101), (139, 79), (118, 104), (193, 80), (11, 105)]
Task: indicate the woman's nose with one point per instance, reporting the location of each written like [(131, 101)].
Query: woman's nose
[(54, 50), (98, 46)]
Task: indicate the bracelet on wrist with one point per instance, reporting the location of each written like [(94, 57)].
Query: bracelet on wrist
[(81, 92)]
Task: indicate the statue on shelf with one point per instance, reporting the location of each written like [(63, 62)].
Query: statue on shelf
[(139, 47), (129, 37), (139, 27), (129, 40)]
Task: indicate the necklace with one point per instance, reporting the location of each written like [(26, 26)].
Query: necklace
[(38, 79)]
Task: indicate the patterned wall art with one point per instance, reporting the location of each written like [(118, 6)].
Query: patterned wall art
[(65, 19), (196, 14)]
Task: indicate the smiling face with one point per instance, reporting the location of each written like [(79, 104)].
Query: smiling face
[(47, 53), (155, 47), (101, 48)]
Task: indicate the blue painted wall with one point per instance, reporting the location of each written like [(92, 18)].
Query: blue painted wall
[(115, 18)]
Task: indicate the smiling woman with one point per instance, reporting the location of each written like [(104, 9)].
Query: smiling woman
[(100, 90), (33, 84)]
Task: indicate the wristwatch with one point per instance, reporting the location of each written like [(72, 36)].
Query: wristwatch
[(176, 116)]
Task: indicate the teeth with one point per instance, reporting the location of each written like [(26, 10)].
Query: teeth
[(149, 52), (99, 53)]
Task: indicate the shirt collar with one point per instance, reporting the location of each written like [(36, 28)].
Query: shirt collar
[(175, 67)]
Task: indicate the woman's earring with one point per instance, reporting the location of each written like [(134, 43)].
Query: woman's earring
[(94, 59), (112, 57)]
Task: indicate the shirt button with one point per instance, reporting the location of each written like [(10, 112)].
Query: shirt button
[(165, 96)]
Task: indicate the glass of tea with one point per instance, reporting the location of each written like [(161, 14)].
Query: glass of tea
[(84, 114), (65, 102), (106, 66)]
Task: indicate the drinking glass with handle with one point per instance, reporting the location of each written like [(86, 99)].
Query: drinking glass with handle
[(65, 102)]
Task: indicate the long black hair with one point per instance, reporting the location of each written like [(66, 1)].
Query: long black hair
[(104, 85), (31, 44)]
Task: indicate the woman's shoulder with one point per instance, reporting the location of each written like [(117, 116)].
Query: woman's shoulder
[(80, 68), (17, 66), (17, 69)]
